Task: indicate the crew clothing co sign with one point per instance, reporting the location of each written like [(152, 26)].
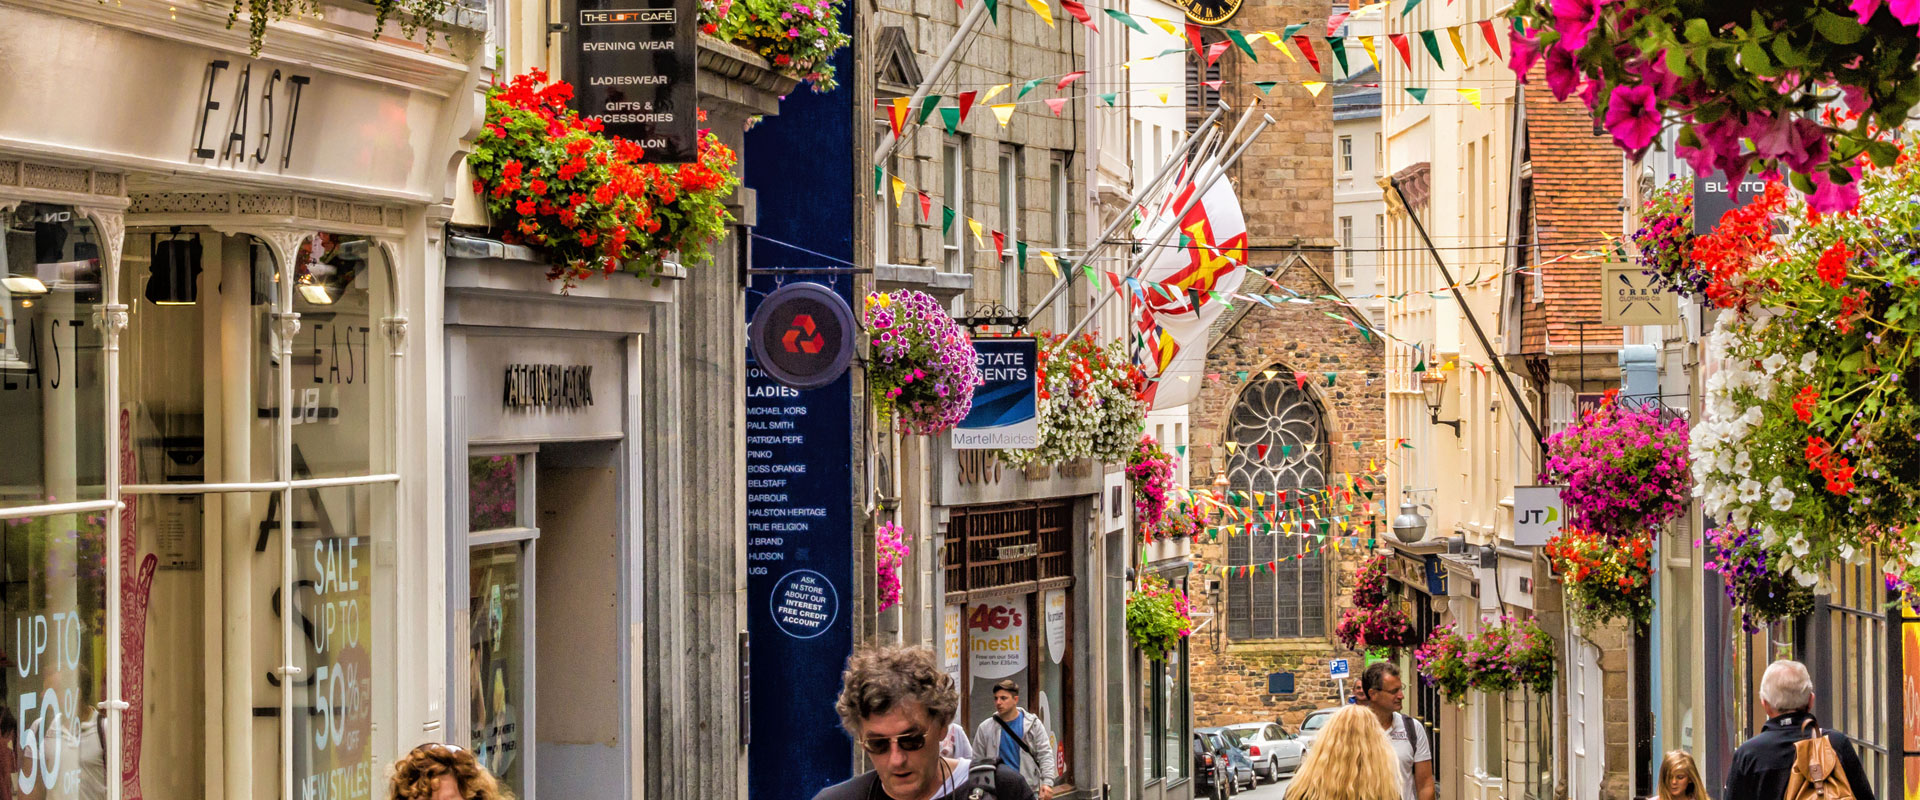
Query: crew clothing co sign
[(552, 387)]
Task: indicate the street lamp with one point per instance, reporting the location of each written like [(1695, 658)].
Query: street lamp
[(1409, 526), (1433, 386)]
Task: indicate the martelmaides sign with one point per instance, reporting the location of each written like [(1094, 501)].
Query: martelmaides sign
[(1005, 413), (632, 65)]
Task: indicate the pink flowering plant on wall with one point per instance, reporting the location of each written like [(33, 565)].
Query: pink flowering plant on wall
[(1158, 617), (798, 37), (1500, 658), (1625, 470), (922, 370), (1374, 622), (1150, 470), (890, 553), (1737, 79)]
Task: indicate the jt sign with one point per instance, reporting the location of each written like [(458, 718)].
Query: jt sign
[(1537, 514)]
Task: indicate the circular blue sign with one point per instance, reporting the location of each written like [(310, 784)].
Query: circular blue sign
[(804, 604), (802, 335)]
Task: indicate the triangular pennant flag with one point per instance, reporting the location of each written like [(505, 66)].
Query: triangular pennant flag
[(1266, 87), (897, 115), (1003, 112), (1214, 51), (927, 105), (1109, 98), (1263, 451), (1373, 54), (1400, 43), (926, 206), (1292, 29), (1334, 22), (879, 179), (994, 92), (1299, 380), (1057, 103), (1432, 40), (1126, 19), (974, 224), (1069, 79), (1166, 25), (993, 10), (1330, 378), (1052, 266), (946, 220), (1493, 39), (1040, 7), (1199, 47), (899, 190), (999, 246), (1279, 44), (1419, 94), (966, 104), (1079, 12), (1306, 49), (1086, 268), (1459, 48), (1028, 87), (1410, 5), (950, 116), (1214, 85), (1314, 86), (1338, 44), (1162, 94), (1471, 96), (1240, 39), (1231, 447)]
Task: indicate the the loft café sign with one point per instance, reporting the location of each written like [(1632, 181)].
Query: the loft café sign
[(631, 63), (248, 116), (552, 387)]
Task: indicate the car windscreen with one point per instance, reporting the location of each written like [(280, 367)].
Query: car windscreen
[(1315, 723), (1241, 735)]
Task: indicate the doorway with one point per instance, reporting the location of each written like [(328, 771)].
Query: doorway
[(543, 553)]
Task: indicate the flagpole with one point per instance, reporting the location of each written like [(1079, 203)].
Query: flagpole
[(960, 37), (1106, 236), (1218, 173)]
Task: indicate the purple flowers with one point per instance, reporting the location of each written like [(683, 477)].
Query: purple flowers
[(922, 372), (1753, 579), (1624, 471), (1633, 117)]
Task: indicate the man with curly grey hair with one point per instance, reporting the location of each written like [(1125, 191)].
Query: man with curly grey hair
[(897, 702)]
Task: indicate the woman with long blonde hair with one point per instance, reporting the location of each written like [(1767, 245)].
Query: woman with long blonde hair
[(1350, 760), (1680, 778)]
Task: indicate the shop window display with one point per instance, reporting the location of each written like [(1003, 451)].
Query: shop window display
[(51, 382)]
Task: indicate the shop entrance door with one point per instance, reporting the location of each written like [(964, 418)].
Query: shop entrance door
[(501, 542)]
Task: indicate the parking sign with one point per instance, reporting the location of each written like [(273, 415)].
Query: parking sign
[(1339, 668)]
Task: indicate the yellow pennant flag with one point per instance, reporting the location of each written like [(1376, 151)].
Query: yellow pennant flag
[(1040, 7), (1162, 94), (1231, 447), (1280, 45), (991, 92), (1471, 96), (975, 225), (1316, 87), (1269, 374), (1165, 26), (1452, 33), (899, 188), (1052, 266), (1372, 54), (1003, 112)]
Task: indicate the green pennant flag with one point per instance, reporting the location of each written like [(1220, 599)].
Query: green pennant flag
[(1240, 375), (1286, 451), (946, 220), (1330, 378), (1519, 28), (993, 10), (1266, 87), (1419, 95), (1180, 448), (1338, 44), (1432, 41), (1171, 51), (1292, 29), (1412, 3), (927, 106), (1028, 87), (1091, 275), (951, 116), (1241, 40), (879, 176), (1021, 249), (1110, 97), (1420, 365), (1128, 20)]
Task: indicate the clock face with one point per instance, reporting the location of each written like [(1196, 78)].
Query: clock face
[(1210, 12)]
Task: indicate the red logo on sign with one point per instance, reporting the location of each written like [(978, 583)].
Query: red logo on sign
[(803, 325)]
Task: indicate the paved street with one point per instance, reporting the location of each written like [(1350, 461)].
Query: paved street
[(1265, 791)]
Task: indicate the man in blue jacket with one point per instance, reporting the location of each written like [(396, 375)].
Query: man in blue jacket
[(1763, 763)]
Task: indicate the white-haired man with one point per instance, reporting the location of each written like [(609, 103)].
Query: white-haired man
[(1763, 764)]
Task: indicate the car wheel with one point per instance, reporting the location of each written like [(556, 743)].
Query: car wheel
[(1273, 769)]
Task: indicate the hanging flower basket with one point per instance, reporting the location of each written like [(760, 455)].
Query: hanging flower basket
[(923, 371), (1370, 582), (1501, 658), (798, 37), (1150, 470), (1089, 403), (890, 552), (1184, 521), (554, 182), (1157, 617), (1384, 628), (1665, 240), (1809, 444), (1730, 74), (1607, 578), (1752, 580), (1625, 471)]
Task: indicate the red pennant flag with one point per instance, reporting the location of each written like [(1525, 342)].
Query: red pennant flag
[(1114, 278), (1214, 85), (926, 207), (1263, 452), (1306, 47), (1334, 22), (999, 246), (966, 98), (1193, 35), (1400, 43), (1493, 39), (1069, 79), (1057, 103), (1300, 380), (897, 115), (1214, 51), (1079, 12)]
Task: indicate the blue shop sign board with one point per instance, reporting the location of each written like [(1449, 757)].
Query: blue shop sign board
[(1005, 413)]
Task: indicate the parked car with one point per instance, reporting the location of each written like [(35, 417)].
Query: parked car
[(1310, 727), (1243, 774), (1273, 751), (1211, 770)]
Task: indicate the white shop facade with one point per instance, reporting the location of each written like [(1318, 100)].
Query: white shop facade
[(210, 565)]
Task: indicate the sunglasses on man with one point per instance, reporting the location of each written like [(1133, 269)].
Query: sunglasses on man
[(907, 742)]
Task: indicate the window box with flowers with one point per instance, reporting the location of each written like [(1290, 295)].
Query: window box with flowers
[(554, 182), (922, 368), (798, 37), (1090, 403), (1500, 658), (1157, 617)]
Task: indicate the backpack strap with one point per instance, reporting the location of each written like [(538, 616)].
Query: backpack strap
[(985, 778), (1416, 731)]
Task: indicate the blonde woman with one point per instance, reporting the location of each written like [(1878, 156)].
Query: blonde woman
[(1349, 760), (1680, 778)]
